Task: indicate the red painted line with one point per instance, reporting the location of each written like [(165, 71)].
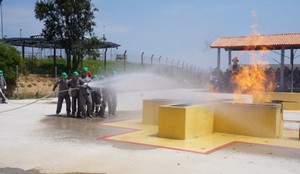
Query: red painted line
[(220, 147), (109, 122), (130, 130), (127, 132), (156, 146), (179, 149), (269, 145)]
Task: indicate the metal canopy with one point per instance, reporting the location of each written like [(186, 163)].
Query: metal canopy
[(44, 43), (259, 42), (40, 42)]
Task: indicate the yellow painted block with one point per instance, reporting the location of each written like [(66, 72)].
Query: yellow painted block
[(151, 108), (259, 120), (185, 122), (292, 99)]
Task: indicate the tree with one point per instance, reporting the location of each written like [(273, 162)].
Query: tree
[(10, 57), (68, 21)]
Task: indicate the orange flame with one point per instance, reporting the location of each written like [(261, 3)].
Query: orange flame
[(253, 78), (257, 78)]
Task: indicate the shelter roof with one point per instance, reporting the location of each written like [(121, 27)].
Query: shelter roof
[(259, 42), (40, 42)]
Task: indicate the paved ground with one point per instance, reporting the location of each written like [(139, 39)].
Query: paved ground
[(34, 141)]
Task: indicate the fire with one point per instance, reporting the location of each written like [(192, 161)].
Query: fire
[(257, 78), (254, 79)]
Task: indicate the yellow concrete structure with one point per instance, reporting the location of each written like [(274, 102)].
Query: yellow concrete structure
[(151, 108), (177, 121), (291, 101), (185, 122), (259, 120)]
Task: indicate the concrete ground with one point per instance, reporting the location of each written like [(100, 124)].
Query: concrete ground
[(33, 141)]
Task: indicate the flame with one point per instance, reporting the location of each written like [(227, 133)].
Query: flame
[(254, 79), (257, 78)]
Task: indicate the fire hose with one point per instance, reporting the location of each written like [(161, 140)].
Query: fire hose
[(46, 96)]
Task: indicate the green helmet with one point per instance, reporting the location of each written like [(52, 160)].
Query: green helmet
[(95, 76), (1, 72), (75, 73), (85, 69), (64, 75)]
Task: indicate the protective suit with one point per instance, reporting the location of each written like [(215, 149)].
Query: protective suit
[(63, 94)]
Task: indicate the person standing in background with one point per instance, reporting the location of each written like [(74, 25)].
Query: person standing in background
[(2, 87)]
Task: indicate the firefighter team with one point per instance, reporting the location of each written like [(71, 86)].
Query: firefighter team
[(82, 101)]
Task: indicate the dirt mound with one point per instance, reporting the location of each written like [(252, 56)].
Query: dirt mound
[(32, 85)]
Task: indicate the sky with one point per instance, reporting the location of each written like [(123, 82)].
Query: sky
[(180, 31)]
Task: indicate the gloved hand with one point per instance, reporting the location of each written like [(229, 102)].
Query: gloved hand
[(5, 87), (85, 85)]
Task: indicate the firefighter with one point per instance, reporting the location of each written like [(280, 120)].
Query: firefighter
[(96, 98), (63, 94), (2, 87), (85, 98), (73, 83), (109, 97)]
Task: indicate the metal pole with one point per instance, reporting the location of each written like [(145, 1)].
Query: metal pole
[(172, 66), (152, 59), (55, 74), (125, 60), (229, 59), (282, 70), (17, 76), (159, 59), (142, 60), (105, 60), (1, 21), (292, 70), (219, 59)]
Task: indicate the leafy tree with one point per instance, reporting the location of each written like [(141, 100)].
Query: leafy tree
[(10, 57), (68, 21)]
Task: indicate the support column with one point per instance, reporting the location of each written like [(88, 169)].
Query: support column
[(124, 59), (105, 60), (292, 70), (23, 51), (142, 60), (229, 59), (54, 56), (282, 70), (219, 58)]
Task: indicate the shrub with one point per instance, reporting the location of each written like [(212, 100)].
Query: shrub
[(10, 57)]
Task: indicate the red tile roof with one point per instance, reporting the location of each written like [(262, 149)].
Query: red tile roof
[(259, 42)]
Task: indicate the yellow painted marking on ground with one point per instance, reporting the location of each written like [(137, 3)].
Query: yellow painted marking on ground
[(147, 134)]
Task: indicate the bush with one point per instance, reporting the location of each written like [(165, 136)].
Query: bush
[(10, 57)]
